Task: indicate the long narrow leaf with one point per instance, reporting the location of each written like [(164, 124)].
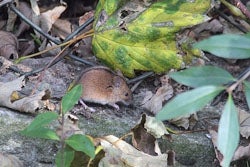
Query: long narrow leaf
[(227, 46), (247, 92), (201, 76), (189, 102), (228, 133)]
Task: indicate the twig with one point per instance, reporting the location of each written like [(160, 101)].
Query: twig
[(143, 76), (79, 29), (5, 2), (38, 29), (243, 8), (230, 21), (245, 74)]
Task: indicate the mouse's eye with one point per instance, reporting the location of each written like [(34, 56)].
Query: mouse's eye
[(126, 94)]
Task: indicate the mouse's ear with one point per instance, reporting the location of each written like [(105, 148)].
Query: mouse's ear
[(117, 81)]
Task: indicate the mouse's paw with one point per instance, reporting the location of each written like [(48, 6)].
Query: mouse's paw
[(115, 106), (86, 107)]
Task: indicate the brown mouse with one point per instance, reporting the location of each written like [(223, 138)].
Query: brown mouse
[(103, 86)]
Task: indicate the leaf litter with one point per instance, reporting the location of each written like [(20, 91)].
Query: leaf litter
[(8, 45)]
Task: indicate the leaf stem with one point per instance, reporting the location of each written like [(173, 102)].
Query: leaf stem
[(62, 139), (245, 74)]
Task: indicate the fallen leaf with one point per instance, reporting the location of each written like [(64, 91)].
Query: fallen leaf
[(7, 63), (142, 140), (62, 28), (11, 18), (25, 9), (186, 122), (9, 160), (85, 46), (35, 7), (154, 103), (8, 45), (145, 135), (27, 47), (155, 127), (242, 152), (214, 137), (244, 120), (48, 18), (70, 127), (120, 153), (214, 26), (29, 104), (85, 17)]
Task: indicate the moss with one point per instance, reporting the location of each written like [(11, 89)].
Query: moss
[(191, 149)]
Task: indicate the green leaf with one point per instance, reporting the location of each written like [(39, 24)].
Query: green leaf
[(36, 128), (41, 132), (227, 46), (140, 36), (202, 76), (71, 98), (81, 143), (188, 102), (41, 120), (109, 6), (247, 92), (228, 133), (65, 158)]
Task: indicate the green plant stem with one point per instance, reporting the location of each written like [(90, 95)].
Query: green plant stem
[(62, 140), (241, 78)]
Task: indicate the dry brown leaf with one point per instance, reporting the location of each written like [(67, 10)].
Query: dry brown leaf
[(25, 9), (164, 93), (70, 126), (119, 153), (29, 104), (9, 160), (213, 26), (85, 17), (7, 63), (243, 152), (27, 47), (155, 127), (142, 140), (48, 18), (145, 134), (8, 45), (35, 7), (11, 17), (185, 121), (240, 153), (214, 136), (244, 119), (62, 28), (85, 46)]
